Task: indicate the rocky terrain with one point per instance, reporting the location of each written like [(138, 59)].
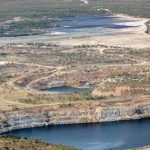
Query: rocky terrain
[(87, 112), (118, 77)]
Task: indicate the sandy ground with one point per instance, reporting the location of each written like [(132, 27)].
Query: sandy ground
[(127, 37), (3, 62)]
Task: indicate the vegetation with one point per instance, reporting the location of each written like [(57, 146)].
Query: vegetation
[(17, 143), (26, 27), (22, 18), (5, 78), (30, 17), (139, 8)]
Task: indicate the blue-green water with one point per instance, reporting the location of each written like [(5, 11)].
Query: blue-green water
[(67, 89), (100, 136)]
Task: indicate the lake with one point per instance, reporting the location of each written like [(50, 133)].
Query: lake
[(70, 24), (99, 136), (94, 29)]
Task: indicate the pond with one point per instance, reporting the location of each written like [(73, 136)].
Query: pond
[(99, 136), (67, 89)]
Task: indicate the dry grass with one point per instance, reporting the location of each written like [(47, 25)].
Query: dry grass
[(109, 71), (16, 143)]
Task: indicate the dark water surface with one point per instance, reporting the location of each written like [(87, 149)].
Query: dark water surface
[(67, 89), (100, 136), (2, 54), (81, 22)]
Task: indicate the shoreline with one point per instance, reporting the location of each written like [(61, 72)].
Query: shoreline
[(146, 21), (137, 36), (137, 116), (67, 124), (75, 113)]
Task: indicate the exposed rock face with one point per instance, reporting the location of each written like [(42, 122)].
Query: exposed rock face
[(46, 83), (71, 113)]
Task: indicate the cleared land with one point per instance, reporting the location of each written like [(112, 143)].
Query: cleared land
[(112, 72)]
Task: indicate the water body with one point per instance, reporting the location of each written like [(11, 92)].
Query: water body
[(75, 27), (67, 89), (100, 136), (2, 54), (69, 24)]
